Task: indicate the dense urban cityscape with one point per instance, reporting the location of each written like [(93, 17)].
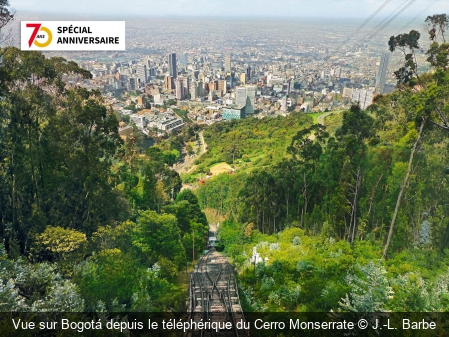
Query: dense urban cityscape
[(239, 69)]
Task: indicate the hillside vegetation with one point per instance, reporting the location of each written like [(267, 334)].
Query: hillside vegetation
[(353, 218), (251, 142), (87, 222)]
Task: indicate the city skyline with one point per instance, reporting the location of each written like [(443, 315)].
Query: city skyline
[(231, 8)]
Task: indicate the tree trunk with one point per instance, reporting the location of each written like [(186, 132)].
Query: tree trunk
[(304, 195), (371, 199), (358, 182), (403, 185)]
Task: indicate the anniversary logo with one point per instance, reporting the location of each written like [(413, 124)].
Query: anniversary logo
[(73, 35)]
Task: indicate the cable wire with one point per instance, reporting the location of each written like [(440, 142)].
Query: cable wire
[(362, 25), (417, 16), (386, 22)]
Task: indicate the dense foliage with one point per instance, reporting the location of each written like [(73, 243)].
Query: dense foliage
[(335, 203), (255, 142), (318, 273), (87, 221), (346, 219), (381, 164)]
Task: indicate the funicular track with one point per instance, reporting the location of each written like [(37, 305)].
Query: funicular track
[(214, 295)]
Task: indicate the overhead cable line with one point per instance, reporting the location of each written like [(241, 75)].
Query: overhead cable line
[(380, 24), (417, 16), (386, 22), (362, 25)]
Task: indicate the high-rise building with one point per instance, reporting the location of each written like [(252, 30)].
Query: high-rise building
[(178, 86), (132, 84), (368, 99), (363, 96), (227, 61), (183, 60), (172, 68), (242, 78), (222, 86), (381, 76), (141, 71), (240, 96), (289, 86), (246, 96), (182, 87), (347, 93), (283, 103), (201, 89), (168, 82), (193, 90), (211, 86), (186, 87), (248, 73), (355, 95), (251, 99)]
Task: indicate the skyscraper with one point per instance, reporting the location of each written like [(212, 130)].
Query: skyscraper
[(363, 96), (168, 82), (196, 73), (182, 87), (185, 86), (240, 96), (132, 84), (201, 89), (141, 71), (183, 60), (221, 87), (251, 98), (246, 96), (242, 78), (227, 61), (381, 76), (193, 90), (173, 71)]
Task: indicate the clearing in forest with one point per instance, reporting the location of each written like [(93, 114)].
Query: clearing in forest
[(220, 168)]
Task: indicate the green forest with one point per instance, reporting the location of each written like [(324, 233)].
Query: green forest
[(346, 218), (87, 222)]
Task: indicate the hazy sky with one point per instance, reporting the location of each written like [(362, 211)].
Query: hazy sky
[(301, 8)]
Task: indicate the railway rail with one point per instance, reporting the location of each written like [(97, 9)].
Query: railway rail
[(214, 295)]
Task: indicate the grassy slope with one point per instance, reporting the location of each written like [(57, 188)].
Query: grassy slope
[(259, 143)]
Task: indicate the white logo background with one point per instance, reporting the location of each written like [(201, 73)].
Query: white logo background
[(100, 29)]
